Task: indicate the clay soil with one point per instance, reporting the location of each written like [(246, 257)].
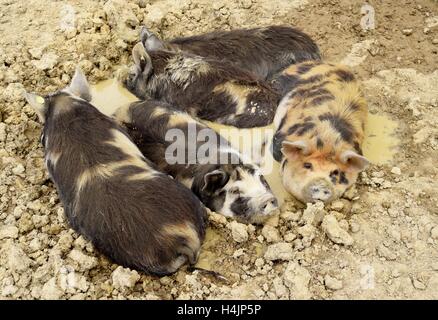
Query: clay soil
[(381, 240)]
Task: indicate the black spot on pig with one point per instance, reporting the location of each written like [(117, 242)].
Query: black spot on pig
[(240, 207), (277, 144), (317, 101), (319, 143), (342, 178), (340, 125), (344, 75)]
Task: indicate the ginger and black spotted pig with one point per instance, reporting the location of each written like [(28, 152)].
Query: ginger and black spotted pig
[(263, 51), (319, 130), (112, 195), (194, 154), (203, 87)]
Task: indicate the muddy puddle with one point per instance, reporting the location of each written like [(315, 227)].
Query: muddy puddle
[(380, 143), (207, 257), (109, 95)]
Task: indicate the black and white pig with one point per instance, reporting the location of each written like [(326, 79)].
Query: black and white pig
[(137, 216), (262, 51), (194, 154), (203, 87)]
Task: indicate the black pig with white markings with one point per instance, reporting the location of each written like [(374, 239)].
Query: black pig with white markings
[(137, 216), (262, 51), (203, 87), (201, 159)]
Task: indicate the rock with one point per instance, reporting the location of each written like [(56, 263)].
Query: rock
[(344, 224), (47, 61), (431, 22), (2, 132), (350, 193), (124, 278), (313, 214), (396, 171), (337, 205), (18, 170), (273, 219), (435, 266), (297, 279), (386, 253), (217, 219), (239, 231), (50, 290), (8, 232), (334, 232), (36, 53), (307, 231), (359, 52), (289, 237), (121, 17), (65, 242), (290, 216), (271, 234), (279, 251), (280, 289), (407, 32), (14, 258), (354, 227), (418, 284), (435, 41), (84, 261), (332, 283), (433, 233)]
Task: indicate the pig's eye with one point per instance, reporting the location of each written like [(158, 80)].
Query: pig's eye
[(307, 165), (234, 190)]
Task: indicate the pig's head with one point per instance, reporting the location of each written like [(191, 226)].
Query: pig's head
[(310, 173), (55, 103), (237, 191), (162, 73)]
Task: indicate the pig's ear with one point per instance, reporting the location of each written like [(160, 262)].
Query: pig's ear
[(150, 40), (38, 104), (142, 59), (294, 149), (214, 180), (79, 85), (354, 160)]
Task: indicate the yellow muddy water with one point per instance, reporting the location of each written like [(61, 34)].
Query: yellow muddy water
[(109, 95), (380, 143), (207, 257)]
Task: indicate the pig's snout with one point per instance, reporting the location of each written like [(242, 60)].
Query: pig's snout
[(269, 205), (319, 190)]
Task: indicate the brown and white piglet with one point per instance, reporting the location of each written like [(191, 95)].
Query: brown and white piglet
[(201, 159), (203, 87), (319, 131), (112, 195), (263, 51)]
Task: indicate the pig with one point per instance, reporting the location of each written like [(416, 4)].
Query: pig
[(203, 87), (319, 130), (223, 179), (263, 51), (112, 195)]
